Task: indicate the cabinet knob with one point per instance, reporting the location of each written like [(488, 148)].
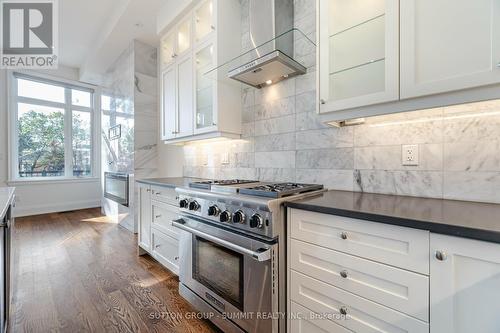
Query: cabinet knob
[(158, 216), (174, 132), (343, 235), (343, 311), (212, 27), (148, 190), (157, 246), (214, 124), (176, 258), (441, 255), (322, 101), (344, 274)]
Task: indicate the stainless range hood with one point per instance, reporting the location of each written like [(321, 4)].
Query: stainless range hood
[(271, 36)]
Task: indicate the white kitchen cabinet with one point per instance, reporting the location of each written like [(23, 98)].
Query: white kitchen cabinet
[(169, 103), (167, 49), (448, 45), (165, 249), (177, 99), (396, 246), (358, 53), (204, 23), (205, 105), (144, 215), (465, 285), (205, 91), (185, 96)]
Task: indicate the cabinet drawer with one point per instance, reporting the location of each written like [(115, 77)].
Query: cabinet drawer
[(398, 289), (306, 321), (162, 218), (164, 194), (362, 315), (166, 250), (396, 246)]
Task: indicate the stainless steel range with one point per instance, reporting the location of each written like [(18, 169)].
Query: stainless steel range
[(232, 251)]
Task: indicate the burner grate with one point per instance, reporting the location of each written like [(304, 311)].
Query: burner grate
[(207, 184), (279, 190)]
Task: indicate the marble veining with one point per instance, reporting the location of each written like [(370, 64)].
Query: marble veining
[(285, 140)]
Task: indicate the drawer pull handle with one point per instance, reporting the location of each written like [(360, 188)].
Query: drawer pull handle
[(157, 246), (158, 216), (441, 255), (344, 274), (343, 235), (148, 190), (343, 311)]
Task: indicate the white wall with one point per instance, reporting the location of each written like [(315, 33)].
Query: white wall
[(169, 12), (44, 197)]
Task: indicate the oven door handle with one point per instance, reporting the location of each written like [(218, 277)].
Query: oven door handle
[(265, 255)]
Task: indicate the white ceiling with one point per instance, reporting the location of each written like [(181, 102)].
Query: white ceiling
[(93, 33)]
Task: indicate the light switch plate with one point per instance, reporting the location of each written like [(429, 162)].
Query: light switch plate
[(410, 155)]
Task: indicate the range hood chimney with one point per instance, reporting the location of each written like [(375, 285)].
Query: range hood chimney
[(271, 59)]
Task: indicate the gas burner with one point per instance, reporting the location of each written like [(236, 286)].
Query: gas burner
[(207, 184), (278, 190)]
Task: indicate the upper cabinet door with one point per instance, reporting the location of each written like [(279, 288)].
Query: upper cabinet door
[(168, 104), (203, 20), (185, 95), (167, 52), (184, 34), (206, 116), (448, 45), (358, 53), (464, 285)]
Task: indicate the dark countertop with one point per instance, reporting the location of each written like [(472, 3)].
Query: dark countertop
[(6, 198), (456, 218), (171, 182)]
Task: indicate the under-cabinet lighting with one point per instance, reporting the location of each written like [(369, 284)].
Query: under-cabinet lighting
[(269, 82), (430, 119)]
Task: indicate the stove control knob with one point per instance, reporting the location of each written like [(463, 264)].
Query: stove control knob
[(193, 205), (213, 210), (184, 203), (256, 221), (225, 216), (239, 217)]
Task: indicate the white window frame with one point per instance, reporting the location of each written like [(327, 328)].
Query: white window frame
[(14, 99)]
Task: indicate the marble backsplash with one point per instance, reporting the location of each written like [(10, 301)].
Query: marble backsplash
[(283, 140)]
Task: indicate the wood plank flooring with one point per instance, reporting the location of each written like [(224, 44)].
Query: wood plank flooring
[(78, 272)]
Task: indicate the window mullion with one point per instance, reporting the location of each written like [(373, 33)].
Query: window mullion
[(68, 135)]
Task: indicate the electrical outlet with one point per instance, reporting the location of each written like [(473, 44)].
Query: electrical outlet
[(225, 158), (410, 155)]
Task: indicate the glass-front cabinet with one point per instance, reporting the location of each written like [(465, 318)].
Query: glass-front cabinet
[(184, 36), (167, 50), (205, 89), (203, 20), (358, 53)]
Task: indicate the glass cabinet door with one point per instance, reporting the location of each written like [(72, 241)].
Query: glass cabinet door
[(359, 53), (167, 50), (204, 88), (184, 36), (203, 20)]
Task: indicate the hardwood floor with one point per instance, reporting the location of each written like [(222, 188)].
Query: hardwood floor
[(77, 272)]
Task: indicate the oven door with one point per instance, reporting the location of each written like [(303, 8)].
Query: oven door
[(231, 272), (116, 187)]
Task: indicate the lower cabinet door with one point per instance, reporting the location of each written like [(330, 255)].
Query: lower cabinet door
[(166, 250), (303, 320), (465, 285), (359, 314)]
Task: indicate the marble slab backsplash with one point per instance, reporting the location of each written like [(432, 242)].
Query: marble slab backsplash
[(283, 140)]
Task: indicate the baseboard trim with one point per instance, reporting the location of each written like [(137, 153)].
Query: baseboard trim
[(21, 211)]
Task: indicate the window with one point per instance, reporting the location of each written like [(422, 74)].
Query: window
[(53, 129)]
